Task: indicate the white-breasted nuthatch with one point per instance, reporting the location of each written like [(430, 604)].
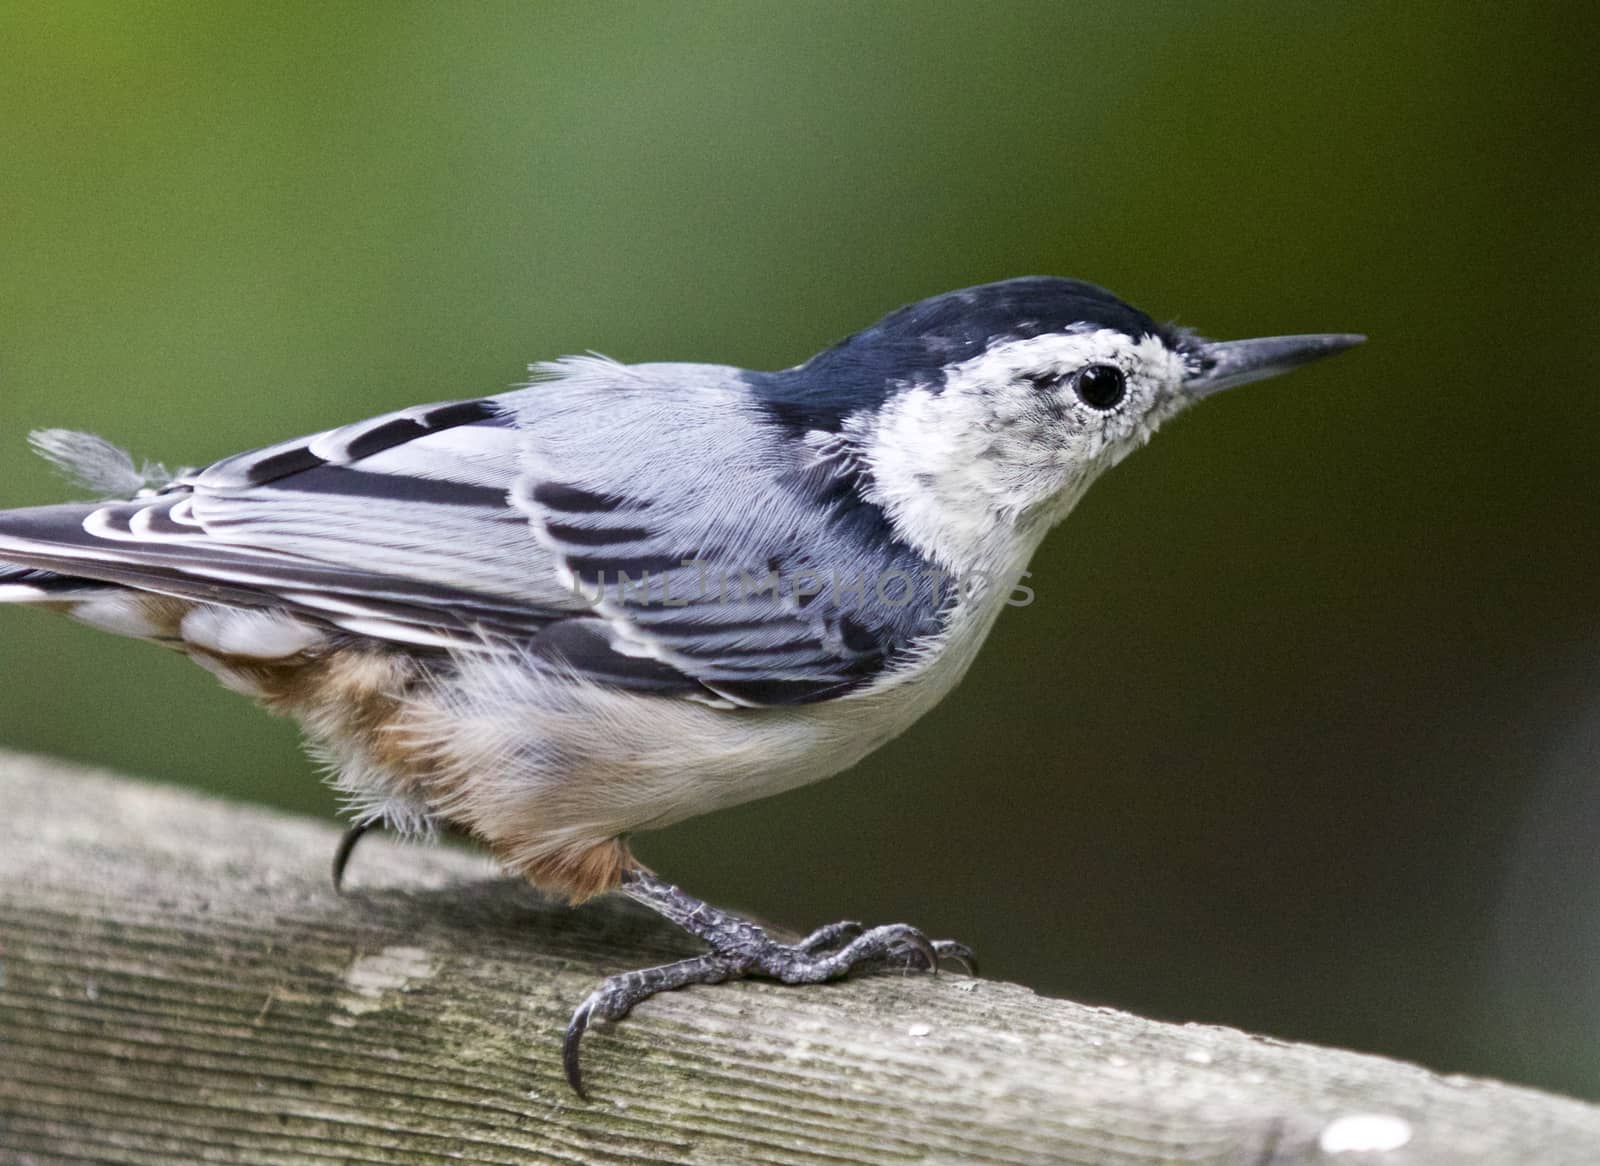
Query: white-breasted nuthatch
[(627, 594)]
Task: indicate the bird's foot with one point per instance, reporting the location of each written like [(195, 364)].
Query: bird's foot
[(740, 949)]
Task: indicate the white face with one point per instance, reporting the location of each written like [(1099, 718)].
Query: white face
[(1014, 436)]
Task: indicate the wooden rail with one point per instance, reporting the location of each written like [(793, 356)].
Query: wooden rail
[(178, 983)]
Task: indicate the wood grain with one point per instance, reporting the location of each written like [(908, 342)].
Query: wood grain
[(178, 984)]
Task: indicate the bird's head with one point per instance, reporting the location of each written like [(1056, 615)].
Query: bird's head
[(1000, 404)]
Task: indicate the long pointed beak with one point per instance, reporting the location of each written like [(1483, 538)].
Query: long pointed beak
[(1225, 363)]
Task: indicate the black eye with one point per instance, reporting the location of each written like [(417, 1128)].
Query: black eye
[(1101, 386)]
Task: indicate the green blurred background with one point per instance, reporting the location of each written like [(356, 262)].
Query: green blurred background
[(1302, 734)]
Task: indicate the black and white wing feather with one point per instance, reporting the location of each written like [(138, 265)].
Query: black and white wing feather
[(639, 527), (399, 527)]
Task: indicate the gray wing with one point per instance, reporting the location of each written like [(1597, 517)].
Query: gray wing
[(711, 541), (639, 526)]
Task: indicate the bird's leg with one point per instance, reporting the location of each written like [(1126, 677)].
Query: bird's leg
[(740, 948)]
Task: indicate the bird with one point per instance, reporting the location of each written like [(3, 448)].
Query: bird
[(621, 595)]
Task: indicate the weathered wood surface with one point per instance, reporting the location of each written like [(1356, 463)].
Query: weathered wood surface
[(179, 984)]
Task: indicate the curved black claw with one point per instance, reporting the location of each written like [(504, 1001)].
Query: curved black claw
[(571, 1063), (353, 835), (959, 953), (347, 847), (616, 996)]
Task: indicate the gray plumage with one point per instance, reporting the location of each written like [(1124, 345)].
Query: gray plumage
[(546, 519), (626, 594)]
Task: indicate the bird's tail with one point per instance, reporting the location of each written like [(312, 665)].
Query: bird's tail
[(95, 464), (98, 466)]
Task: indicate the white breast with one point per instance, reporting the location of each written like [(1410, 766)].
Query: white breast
[(576, 763)]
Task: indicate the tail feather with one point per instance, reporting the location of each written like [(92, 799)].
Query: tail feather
[(95, 464), (107, 471)]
